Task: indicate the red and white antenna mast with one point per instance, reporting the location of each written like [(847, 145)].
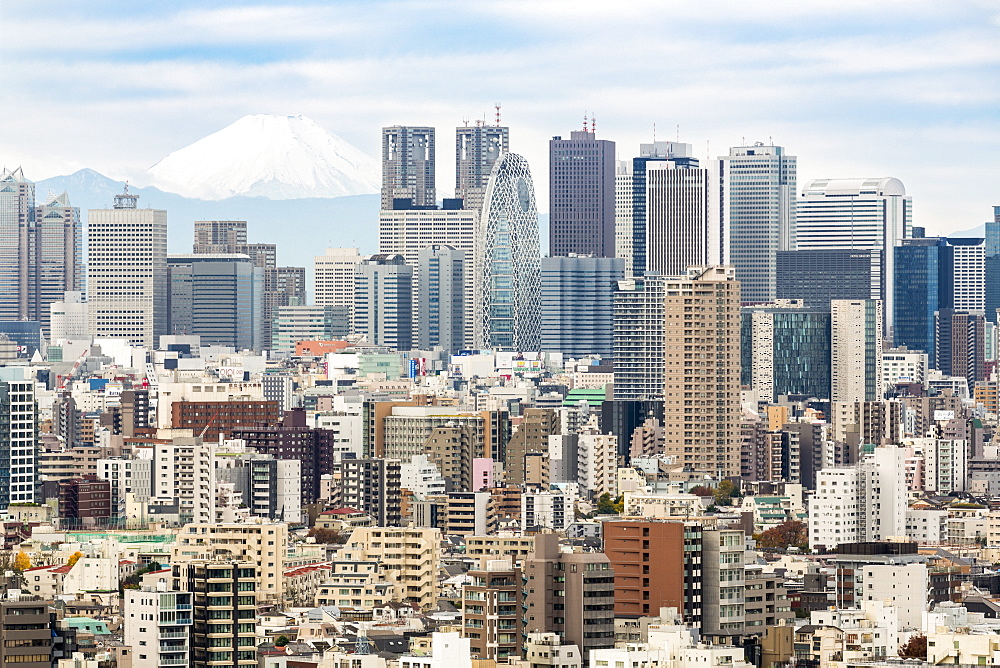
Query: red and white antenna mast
[(496, 105)]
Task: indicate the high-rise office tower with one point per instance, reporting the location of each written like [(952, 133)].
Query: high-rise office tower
[(701, 380), (507, 276), (623, 213), (58, 250), (923, 285), (577, 299), (630, 198), (856, 214), (959, 341), (638, 339), (41, 250), (408, 167), (333, 277), (786, 350), (410, 232), (817, 276), (856, 350), (757, 202), (969, 274), (17, 218), (582, 195), (476, 149), (127, 272), (219, 236), (440, 298), (18, 436), (383, 306), (299, 322), (680, 232), (217, 296), (283, 286)]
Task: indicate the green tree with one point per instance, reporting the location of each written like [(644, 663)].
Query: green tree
[(725, 492), (281, 641), (914, 648), (605, 506)]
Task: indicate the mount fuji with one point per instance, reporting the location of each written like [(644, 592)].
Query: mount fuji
[(277, 157)]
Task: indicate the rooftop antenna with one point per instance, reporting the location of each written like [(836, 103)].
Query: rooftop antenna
[(678, 133), (362, 646), (654, 132), (770, 139), (126, 200), (593, 125), (465, 121), (496, 105)]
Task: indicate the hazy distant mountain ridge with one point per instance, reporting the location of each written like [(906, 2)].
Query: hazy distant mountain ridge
[(300, 227), (277, 157)]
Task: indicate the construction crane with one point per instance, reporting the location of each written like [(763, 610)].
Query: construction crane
[(73, 370)]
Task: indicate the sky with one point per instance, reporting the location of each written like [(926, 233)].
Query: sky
[(852, 88)]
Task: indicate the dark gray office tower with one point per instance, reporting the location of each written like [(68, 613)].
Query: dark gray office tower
[(476, 149), (582, 195), (924, 285), (371, 486), (383, 301), (960, 343), (408, 167), (283, 286), (817, 276), (578, 295), (441, 298), (218, 297)]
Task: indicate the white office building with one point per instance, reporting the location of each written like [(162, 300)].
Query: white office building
[(545, 509), (127, 272), (856, 214), (860, 503), (856, 350), (158, 627), (757, 214), (969, 257), (679, 230), (900, 365), (18, 434), (333, 277)]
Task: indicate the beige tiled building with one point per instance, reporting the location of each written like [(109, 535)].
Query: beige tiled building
[(702, 370), (412, 554)]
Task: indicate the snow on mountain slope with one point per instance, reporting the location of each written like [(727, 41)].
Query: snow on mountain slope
[(278, 157)]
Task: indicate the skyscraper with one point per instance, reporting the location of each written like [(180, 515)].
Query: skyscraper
[(960, 338), (383, 306), (440, 298), (630, 198), (333, 277), (218, 297), (679, 229), (18, 436), (786, 350), (476, 149), (817, 276), (507, 276), (638, 339), (701, 340), (577, 302), (969, 274), (409, 233), (924, 285), (856, 214), (856, 350), (41, 250), (757, 214), (582, 195), (58, 251), (408, 167), (283, 286), (127, 272)]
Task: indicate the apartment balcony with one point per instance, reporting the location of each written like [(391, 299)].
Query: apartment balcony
[(172, 662)]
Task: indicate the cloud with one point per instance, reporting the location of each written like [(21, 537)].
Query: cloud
[(851, 87)]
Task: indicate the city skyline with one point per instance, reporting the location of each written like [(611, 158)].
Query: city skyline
[(853, 91)]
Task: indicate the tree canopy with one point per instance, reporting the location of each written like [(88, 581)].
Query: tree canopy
[(792, 533)]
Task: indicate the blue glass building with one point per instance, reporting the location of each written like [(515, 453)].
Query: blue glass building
[(924, 284), (786, 351)]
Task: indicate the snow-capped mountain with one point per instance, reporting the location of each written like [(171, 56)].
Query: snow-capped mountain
[(278, 157)]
